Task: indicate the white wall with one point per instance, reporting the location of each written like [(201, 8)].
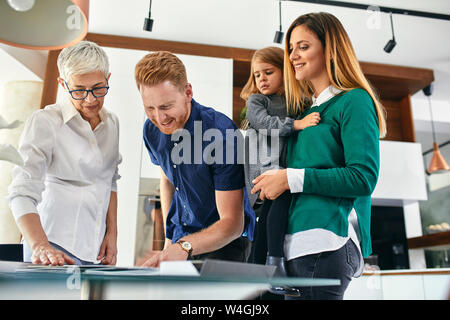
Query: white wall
[(402, 174), (12, 70)]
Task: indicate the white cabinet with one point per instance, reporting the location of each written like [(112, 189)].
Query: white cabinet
[(408, 285), (365, 288), (402, 287), (402, 173), (436, 286)]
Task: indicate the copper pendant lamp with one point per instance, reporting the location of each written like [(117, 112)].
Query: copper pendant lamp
[(438, 163)]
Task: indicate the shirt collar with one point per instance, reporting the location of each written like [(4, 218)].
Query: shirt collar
[(189, 125), (69, 111), (325, 95)]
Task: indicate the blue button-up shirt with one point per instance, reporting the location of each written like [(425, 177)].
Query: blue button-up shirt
[(197, 165)]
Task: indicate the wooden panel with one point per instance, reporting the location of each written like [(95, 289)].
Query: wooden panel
[(405, 272), (407, 120), (396, 82), (241, 73), (399, 120), (238, 105), (430, 240), (172, 46), (50, 87), (393, 121)]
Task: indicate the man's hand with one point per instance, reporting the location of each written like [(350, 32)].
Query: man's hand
[(108, 249), (44, 253), (171, 253)]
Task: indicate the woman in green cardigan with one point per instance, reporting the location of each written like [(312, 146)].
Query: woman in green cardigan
[(332, 167)]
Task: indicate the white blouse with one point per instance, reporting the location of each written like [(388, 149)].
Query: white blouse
[(68, 175)]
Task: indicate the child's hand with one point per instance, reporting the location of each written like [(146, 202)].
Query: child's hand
[(310, 120)]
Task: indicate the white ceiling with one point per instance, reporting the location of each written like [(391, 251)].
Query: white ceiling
[(421, 42)]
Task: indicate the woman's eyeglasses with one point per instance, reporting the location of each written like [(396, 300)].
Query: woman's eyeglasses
[(81, 94)]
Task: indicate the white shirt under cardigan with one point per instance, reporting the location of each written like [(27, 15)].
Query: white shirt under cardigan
[(318, 240), (68, 175)]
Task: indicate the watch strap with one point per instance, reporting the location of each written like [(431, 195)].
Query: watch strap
[(189, 251)]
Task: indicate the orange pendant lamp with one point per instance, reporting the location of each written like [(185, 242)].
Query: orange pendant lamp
[(438, 163)]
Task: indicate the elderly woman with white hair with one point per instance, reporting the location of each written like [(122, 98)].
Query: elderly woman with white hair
[(64, 197)]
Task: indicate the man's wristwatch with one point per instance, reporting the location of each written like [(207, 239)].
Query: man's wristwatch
[(186, 246)]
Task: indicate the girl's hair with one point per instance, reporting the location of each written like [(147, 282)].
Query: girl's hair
[(83, 57), (270, 55), (344, 71)]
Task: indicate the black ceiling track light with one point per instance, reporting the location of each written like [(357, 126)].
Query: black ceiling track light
[(391, 43), (148, 22), (382, 9), (279, 34)]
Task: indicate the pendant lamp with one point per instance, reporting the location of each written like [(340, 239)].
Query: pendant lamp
[(438, 163), (43, 24)]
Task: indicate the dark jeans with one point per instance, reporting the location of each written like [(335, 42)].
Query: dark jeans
[(339, 264), (237, 250)]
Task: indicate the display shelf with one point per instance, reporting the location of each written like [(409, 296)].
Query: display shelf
[(434, 241)]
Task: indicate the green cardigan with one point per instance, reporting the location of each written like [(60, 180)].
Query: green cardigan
[(341, 160)]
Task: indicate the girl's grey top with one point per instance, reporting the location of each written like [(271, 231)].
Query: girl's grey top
[(265, 138)]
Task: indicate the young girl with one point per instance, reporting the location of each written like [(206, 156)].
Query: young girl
[(267, 127), (333, 167)]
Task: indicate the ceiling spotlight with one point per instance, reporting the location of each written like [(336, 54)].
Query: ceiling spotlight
[(391, 43), (148, 22), (279, 34)]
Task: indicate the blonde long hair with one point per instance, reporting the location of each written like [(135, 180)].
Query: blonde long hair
[(343, 68), (271, 55)]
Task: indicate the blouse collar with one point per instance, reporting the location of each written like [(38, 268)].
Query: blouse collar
[(325, 95)]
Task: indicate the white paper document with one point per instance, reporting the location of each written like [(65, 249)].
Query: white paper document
[(118, 271), (177, 268)]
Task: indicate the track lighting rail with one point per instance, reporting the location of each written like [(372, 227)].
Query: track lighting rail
[(361, 6)]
